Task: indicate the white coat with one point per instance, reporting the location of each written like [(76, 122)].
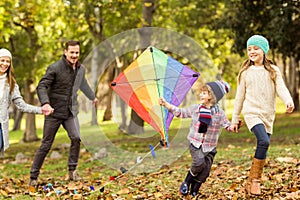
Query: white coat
[(5, 101)]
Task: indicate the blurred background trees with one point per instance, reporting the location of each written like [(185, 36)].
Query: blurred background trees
[(35, 32)]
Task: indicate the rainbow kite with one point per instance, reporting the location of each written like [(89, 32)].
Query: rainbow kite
[(152, 75)]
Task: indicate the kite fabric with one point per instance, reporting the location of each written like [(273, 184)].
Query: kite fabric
[(152, 75)]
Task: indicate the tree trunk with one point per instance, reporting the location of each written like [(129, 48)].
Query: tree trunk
[(294, 81), (94, 66), (136, 124), (18, 115), (108, 113), (30, 128)]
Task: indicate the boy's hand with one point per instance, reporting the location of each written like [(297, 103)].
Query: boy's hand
[(161, 101)]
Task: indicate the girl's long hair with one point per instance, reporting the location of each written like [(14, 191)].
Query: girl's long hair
[(267, 65), (10, 77)]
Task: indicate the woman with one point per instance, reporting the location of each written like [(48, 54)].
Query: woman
[(9, 92)]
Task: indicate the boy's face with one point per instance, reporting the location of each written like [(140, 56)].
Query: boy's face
[(204, 97)]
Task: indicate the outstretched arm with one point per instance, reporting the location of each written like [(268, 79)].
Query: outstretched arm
[(163, 102)]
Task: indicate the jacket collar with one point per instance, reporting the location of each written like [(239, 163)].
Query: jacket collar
[(77, 64)]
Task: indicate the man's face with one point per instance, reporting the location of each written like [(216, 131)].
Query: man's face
[(72, 54)]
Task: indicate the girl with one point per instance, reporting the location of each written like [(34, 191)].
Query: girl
[(258, 83), (207, 121), (9, 92)]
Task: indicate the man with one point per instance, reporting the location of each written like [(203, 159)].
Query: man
[(58, 90)]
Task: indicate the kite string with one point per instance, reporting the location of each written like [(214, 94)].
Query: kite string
[(132, 167)]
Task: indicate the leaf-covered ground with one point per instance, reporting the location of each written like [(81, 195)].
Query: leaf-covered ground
[(281, 177), (281, 180)]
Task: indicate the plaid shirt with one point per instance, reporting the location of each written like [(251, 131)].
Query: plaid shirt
[(207, 140)]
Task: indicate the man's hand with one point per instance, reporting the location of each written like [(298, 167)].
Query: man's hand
[(47, 109), (95, 101)]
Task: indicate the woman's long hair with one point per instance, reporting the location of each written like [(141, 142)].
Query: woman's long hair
[(10, 77), (267, 65)]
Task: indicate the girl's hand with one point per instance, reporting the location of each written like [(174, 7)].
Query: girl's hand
[(290, 107), (235, 128)]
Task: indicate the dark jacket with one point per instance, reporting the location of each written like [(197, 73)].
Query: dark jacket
[(59, 87)]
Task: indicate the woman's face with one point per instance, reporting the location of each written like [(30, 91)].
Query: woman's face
[(255, 54), (4, 64)]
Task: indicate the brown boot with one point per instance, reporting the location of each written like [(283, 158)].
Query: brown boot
[(253, 182)]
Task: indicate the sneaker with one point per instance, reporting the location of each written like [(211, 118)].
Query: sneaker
[(74, 176), (33, 184)]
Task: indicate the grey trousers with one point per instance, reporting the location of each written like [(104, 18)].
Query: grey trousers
[(202, 162), (51, 125)]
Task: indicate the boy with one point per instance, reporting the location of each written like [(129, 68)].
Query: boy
[(207, 120)]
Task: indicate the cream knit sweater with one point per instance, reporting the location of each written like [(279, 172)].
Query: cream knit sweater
[(256, 97)]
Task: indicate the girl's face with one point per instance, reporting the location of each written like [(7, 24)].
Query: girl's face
[(256, 55), (4, 64), (205, 98)]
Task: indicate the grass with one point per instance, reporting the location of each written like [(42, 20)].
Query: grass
[(236, 149), (286, 131)]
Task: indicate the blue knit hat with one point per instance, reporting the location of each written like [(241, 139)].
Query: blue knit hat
[(219, 88), (260, 41)]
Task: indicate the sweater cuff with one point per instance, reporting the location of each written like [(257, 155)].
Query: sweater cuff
[(235, 119)]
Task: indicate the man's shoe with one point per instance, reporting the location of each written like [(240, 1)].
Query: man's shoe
[(74, 176), (33, 184)]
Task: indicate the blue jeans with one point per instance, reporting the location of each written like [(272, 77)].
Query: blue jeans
[(263, 141)]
